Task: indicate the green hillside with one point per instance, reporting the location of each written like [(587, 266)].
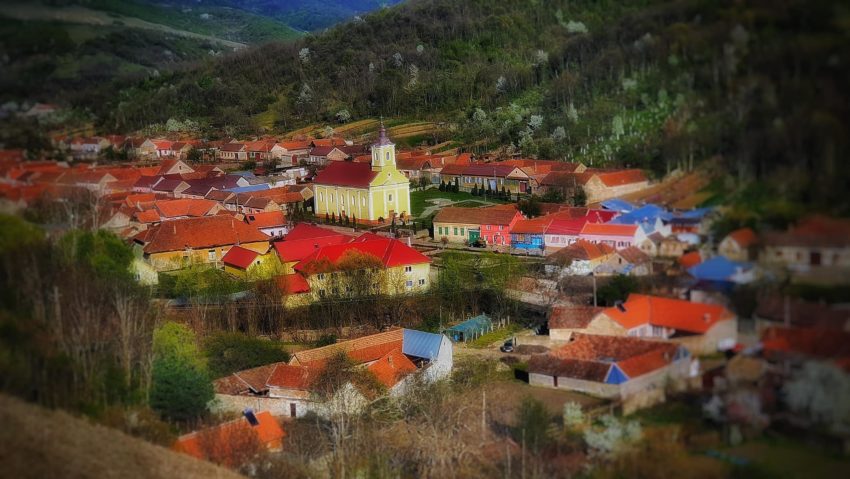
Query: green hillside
[(652, 84)]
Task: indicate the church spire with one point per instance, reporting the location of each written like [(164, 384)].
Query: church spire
[(383, 139)]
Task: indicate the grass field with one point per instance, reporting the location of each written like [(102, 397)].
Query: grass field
[(420, 199)]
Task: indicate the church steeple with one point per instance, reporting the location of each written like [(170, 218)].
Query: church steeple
[(383, 151)]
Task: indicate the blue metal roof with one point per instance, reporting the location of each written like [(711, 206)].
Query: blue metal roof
[(719, 268), (697, 213), (616, 204), (478, 323), (645, 215), (244, 173), (421, 344), (249, 188)]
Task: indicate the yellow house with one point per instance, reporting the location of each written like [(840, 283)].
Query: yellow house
[(368, 265), (366, 191), (174, 244)]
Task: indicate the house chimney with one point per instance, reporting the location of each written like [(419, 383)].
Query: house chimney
[(706, 317), (390, 359), (174, 225)]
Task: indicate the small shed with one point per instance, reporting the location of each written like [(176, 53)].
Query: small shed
[(470, 329)]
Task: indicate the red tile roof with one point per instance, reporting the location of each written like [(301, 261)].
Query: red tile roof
[(292, 284), (489, 170), (344, 173), (532, 226), (196, 233), (390, 252), (392, 367), (590, 357), (677, 314), (233, 147), (490, 215), (239, 257), (287, 376), (362, 350), (304, 239), (184, 207)]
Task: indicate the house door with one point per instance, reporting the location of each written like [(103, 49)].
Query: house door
[(523, 186), (292, 409), (473, 235), (814, 258)]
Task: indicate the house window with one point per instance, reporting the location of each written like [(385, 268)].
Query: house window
[(462, 232), (388, 159), (421, 281), (390, 197), (658, 331), (211, 254), (321, 196), (363, 201), (455, 231), (409, 283), (322, 293), (408, 269), (321, 276), (488, 227)]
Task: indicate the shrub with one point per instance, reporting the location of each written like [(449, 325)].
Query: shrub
[(227, 353)]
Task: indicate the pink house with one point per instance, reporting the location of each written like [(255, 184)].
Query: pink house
[(616, 235)]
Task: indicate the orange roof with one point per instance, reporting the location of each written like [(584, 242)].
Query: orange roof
[(217, 442), (691, 259), (266, 219), (677, 314), (590, 357), (744, 237), (148, 216), (135, 199), (621, 177), (392, 367), (532, 226), (608, 229)]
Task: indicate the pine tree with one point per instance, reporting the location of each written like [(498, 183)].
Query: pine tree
[(354, 222), (327, 219), (333, 218)]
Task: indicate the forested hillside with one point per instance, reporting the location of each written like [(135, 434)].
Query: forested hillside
[(641, 83), (305, 15)]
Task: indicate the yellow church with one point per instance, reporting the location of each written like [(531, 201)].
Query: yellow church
[(367, 191)]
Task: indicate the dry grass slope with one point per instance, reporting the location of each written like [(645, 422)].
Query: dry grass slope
[(37, 443)]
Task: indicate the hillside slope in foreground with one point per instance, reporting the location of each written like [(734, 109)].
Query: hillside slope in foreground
[(37, 443)]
